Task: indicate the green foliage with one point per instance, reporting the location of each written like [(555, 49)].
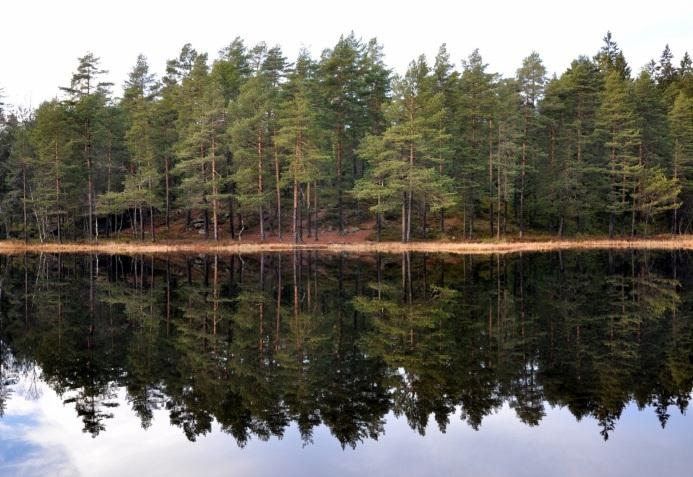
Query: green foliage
[(403, 159), (340, 140)]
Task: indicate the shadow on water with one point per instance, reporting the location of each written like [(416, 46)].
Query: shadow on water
[(256, 343)]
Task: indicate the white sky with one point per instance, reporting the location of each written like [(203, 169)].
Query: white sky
[(44, 433), (40, 40)]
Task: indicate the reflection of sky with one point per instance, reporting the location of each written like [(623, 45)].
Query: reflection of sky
[(43, 437)]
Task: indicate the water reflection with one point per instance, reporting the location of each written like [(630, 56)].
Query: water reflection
[(256, 345)]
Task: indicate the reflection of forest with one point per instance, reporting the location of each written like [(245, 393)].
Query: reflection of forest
[(258, 342)]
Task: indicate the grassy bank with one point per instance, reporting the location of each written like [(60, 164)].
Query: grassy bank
[(227, 247)]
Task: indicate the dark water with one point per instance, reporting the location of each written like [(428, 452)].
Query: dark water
[(309, 364)]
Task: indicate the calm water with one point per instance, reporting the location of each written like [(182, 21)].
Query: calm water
[(310, 364)]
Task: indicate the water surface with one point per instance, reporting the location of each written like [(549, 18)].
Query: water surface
[(576, 363)]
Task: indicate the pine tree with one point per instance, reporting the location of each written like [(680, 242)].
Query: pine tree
[(445, 80), (52, 137), (339, 70), (87, 98), (20, 169), (202, 180), (531, 78), (569, 108), (404, 159), (230, 71), (681, 124), (655, 148), (300, 137), (273, 68), (618, 128), (142, 178), (508, 159), (656, 194), (249, 129), (476, 103)]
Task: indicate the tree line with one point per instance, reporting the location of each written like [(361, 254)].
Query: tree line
[(251, 141)]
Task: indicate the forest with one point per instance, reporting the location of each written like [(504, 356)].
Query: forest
[(252, 142)]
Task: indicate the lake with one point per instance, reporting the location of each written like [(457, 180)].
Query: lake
[(565, 363)]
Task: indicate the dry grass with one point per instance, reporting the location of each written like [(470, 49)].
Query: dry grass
[(470, 248)]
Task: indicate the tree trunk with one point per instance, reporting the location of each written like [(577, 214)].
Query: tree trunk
[(215, 193), (57, 190), (90, 178), (340, 152), (278, 188), (498, 185), (260, 187), (300, 213), (410, 192), (404, 217), (151, 223), (309, 215), (560, 226), (26, 236), (167, 191), (315, 193), (141, 224), (612, 215), (442, 211), (409, 203), (490, 177), (297, 166), (294, 225), (378, 217), (522, 187), (424, 218)]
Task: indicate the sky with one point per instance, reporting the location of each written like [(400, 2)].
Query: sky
[(41, 40), (39, 432)]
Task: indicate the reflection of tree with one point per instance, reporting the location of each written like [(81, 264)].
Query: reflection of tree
[(409, 333), (256, 343), (92, 404), (8, 376)]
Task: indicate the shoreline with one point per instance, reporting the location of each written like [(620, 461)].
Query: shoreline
[(461, 248)]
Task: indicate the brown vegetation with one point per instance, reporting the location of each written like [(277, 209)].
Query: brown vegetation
[(228, 247)]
